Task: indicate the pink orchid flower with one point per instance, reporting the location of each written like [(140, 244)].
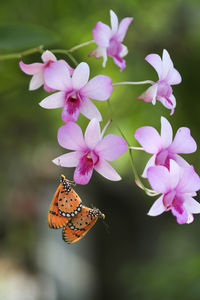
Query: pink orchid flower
[(37, 70), (109, 40), (75, 90), (168, 75), (177, 186), (162, 147), (90, 152)]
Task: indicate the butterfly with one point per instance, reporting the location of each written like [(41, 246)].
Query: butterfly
[(79, 225), (65, 204), (66, 210)]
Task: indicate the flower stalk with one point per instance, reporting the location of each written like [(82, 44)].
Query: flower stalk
[(40, 49), (133, 82), (137, 178)]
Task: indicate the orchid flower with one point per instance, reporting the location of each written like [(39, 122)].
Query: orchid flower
[(168, 75), (177, 186), (37, 70), (75, 91), (109, 40), (90, 152), (162, 147)]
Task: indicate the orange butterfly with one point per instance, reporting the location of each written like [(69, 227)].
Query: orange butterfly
[(66, 211), (65, 204), (79, 226)]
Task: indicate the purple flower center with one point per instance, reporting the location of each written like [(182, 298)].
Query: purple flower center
[(114, 48), (171, 199), (164, 89), (73, 102), (47, 64), (162, 158), (87, 162)]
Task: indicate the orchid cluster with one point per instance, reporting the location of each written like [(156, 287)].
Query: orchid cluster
[(72, 90)]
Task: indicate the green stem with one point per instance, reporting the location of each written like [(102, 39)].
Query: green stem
[(41, 48), (21, 54), (136, 148), (66, 52), (134, 82), (80, 46), (137, 178)]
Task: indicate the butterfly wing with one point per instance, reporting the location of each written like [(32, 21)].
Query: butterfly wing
[(69, 203), (79, 226), (55, 220)]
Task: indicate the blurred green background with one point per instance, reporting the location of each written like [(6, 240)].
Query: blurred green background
[(134, 256)]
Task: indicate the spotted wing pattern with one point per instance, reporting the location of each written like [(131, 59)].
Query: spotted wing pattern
[(79, 226), (69, 203), (55, 220), (66, 211)]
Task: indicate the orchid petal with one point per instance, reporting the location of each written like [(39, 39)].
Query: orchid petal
[(123, 27), (113, 21), (157, 208), (191, 205), (169, 103), (82, 176), (175, 173), (97, 52), (150, 94), (183, 142), (166, 63), (70, 136), (149, 139), (111, 147), (168, 199), (180, 161), (189, 181), (70, 159), (98, 88), (89, 110), (119, 62), (105, 169), (173, 77), (166, 132), (71, 70), (104, 55), (173, 104), (159, 178), (100, 52), (36, 81), (80, 76), (182, 217), (48, 56), (156, 62), (190, 218), (92, 134), (47, 88), (70, 115), (150, 163), (57, 76), (31, 69), (55, 100), (102, 34), (124, 51)]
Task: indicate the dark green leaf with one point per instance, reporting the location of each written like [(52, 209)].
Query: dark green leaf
[(16, 37)]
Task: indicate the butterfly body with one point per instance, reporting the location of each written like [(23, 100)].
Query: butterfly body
[(66, 211)]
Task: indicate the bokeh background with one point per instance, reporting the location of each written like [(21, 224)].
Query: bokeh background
[(132, 256)]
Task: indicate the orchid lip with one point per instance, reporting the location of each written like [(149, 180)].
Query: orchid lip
[(73, 102), (88, 161), (47, 64)]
